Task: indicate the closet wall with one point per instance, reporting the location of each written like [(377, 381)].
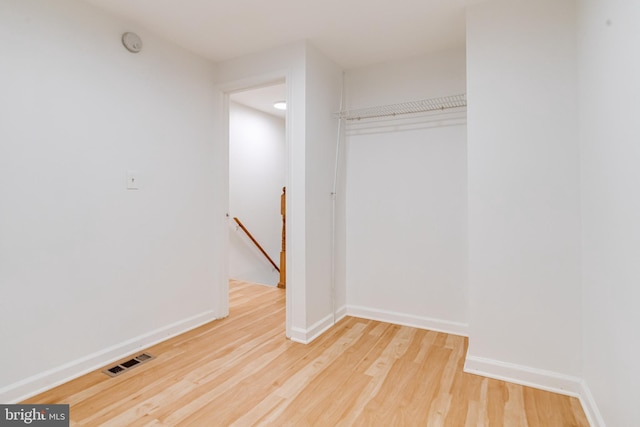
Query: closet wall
[(407, 197), (524, 186), (609, 64)]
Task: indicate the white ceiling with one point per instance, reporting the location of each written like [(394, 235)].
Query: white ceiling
[(263, 98), (353, 33)]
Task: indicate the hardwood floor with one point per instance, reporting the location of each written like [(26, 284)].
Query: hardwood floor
[(242, 371)]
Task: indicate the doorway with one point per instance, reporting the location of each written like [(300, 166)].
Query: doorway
[(257, 177)]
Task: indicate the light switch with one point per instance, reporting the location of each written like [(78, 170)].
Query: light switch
[(133, 180)]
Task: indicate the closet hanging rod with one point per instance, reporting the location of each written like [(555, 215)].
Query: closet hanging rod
[(411, 107)]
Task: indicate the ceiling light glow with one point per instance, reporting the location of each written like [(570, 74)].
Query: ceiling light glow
[(280, 105)]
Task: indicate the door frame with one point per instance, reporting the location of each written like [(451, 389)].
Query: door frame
[(225, 90)]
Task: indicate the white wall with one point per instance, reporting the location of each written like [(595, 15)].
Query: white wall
[(323, 89), (313, 94), (256, 177), (90, 271), (609, 64), (426, 76), (524, 205), (406, 200)]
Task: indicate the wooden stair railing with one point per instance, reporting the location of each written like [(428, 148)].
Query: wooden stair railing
[(255, 242), (283, 252)]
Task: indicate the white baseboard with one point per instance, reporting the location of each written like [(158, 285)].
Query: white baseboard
[(46, 380), (298, 335), (590, 407), (540, 379), (305, 336), (420, 322), (523, 375)]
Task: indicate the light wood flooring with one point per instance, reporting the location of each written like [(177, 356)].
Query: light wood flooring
[(242, 371)]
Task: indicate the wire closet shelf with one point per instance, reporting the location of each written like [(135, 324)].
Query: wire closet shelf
[(411, 107)]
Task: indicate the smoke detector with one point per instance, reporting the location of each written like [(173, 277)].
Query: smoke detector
[(132, 42)]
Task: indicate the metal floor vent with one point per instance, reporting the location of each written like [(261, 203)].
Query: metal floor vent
[(127, 364)]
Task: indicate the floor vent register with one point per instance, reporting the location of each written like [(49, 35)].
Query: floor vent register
[(128, 364)]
